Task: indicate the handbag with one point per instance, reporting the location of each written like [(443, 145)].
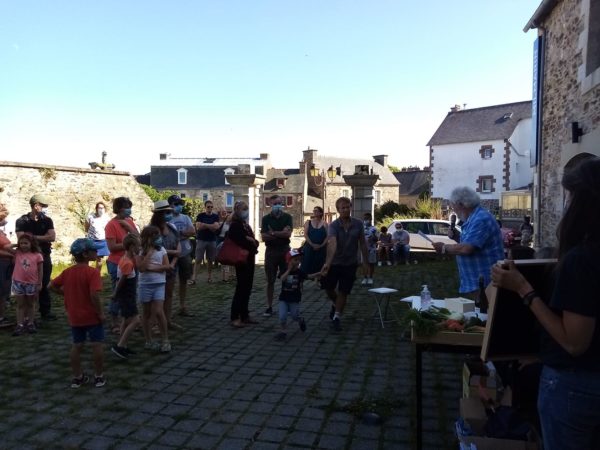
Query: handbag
[(231, 254)]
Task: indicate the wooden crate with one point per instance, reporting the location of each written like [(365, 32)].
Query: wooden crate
[(449, 338)]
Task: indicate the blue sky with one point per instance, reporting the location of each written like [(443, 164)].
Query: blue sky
[(239, 78)]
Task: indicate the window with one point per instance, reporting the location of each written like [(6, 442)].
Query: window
[(229, 199), (289, 200), (346, 193), (593, 39), (182, 176), (377, 198), (440, 229), (182, 195), (485, 184), (415, 227), (205, 196), (486, 151), (259, 170)]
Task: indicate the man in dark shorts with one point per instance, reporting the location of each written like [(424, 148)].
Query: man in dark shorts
[(207, 225), (186, 230), (346, 236), (41, 227), (276, 230)]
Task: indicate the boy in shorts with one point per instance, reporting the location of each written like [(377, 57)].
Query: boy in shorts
[(81, 285)]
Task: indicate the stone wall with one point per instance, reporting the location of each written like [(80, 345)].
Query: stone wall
[(72, 192), (564, 101)]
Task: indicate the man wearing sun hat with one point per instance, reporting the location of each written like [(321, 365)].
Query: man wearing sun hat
[(37, 223)]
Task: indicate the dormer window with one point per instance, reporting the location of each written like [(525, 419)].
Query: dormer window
[(280, 182), (486, 151), (228, 171), (182, 176)]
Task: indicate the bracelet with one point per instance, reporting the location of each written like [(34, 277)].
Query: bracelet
[(528, 298)]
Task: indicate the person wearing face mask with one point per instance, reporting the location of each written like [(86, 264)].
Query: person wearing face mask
[(115, 231), (480, 245), (207, 225), (275, 230), (161, 218), (401, 244), (37, 223), (241, 233), (186, 229), (94, 227)]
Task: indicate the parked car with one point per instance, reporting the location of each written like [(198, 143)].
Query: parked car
[(434, 229)]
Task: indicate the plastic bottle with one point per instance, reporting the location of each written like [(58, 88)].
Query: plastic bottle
[(425, 298)]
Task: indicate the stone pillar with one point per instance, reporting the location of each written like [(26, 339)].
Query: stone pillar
[(246, 188), (362, 193)]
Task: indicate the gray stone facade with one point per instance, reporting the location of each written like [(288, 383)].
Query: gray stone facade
[(73, 193), (569, 95)]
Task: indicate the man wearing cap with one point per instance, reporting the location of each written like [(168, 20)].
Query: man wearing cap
[(186, 230), (275, 230), (37, 223)]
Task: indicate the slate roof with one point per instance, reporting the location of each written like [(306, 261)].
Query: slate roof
[(413, 182), (490, 123), (347, 164), (294, 181), (197, 177), (210, 162)]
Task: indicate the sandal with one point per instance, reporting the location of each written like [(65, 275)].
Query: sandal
[(191, 282)]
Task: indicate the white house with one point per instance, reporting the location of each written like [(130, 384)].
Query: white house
[(483, 148)]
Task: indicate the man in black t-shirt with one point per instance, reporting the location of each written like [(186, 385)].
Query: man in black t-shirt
[(41, 227), (207, 224)]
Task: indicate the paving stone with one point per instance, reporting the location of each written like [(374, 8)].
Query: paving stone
[(228, 444), (199, 440), (243, 431), (281, 421), (328, 441), (215, 429), (174, 438), (99, 443), (304, 438), (272, 434)]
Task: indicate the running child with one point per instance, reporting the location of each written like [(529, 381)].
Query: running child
[(81, 286), (27, 282)]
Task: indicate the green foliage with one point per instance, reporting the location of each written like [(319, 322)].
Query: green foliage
[(393, 168), (157, 195), (80, 210), (389, 209), (193, 207), (428, 208)]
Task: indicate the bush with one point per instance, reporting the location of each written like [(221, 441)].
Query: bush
[(389, 209)]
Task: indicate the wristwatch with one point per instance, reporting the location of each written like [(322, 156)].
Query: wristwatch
[(528, 298)]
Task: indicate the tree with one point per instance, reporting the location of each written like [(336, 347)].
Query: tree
[(393, 168), (390, 209)]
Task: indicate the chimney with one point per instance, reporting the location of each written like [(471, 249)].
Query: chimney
[(381, 159), (264, 156), (309, 157), (455, 108), (163, 156)]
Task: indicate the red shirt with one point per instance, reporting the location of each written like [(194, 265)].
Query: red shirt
[(114, 230), (79, 282)]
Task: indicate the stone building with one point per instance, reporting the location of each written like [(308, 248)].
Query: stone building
[(414, 182), (567, 99), (73, 193)]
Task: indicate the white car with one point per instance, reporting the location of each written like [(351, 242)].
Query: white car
[(434, 229)]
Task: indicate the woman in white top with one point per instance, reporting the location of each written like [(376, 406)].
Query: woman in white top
[(94, 227)]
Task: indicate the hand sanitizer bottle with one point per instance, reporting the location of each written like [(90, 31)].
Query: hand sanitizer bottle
[(425, 298)]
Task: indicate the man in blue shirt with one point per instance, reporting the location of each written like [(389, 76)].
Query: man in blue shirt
[(480, 245)]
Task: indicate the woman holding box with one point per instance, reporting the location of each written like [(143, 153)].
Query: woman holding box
[(569, 392)]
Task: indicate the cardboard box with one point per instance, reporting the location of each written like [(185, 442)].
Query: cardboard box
[(460, 304), (473, 412), (449, 338), (476, 381)]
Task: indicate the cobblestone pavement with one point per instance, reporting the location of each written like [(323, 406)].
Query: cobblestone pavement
[(228, 388)]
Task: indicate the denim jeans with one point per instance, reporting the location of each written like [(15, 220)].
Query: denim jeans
[(401, 253), (569, 408), (113, 307), (292, 308)]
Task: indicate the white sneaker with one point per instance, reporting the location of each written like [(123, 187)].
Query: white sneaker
[(364, 282), (370, 281), (379, 264), (389, 263), (165, 347)]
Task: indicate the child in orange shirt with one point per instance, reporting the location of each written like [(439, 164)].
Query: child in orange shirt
[(81, 285)]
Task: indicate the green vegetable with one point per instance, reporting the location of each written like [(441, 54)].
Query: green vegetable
[(425, 323)]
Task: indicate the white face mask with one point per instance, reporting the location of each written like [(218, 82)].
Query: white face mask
[(244, 214), (100, 212), (45, 211)]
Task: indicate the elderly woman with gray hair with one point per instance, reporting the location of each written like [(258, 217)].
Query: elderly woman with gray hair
[(6, 265), (480, 245)]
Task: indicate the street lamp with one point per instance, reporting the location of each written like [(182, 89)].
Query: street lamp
[(320, 175)]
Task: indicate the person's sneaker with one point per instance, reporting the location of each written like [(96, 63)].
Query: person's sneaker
[(77, 382), (379, 263), (331, 312), (165, 347), (336, 324), (119, 351), (128, 352), (152, 346), (30, 327), (364, 282), (49, 317), (19, 330), (302, 324), (389, 263), (370, 281), (281, 336), (268, 312), (99, 381)]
